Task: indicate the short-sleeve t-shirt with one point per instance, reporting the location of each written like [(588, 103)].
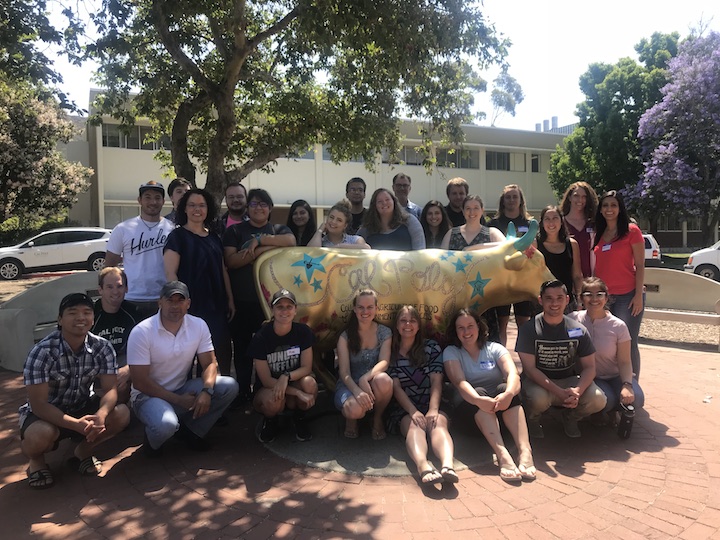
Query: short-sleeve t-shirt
[(557, 347), (115, 327), (282, 353), (615, 262), (483, 371), (521, 224), (241, 279), (605, 333)]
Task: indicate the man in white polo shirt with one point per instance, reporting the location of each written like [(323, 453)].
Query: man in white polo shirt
[(160, 353), (138, 242)]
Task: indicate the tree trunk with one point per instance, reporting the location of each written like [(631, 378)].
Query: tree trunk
[(182, 164)]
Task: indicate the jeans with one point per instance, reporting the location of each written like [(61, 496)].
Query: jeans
[(162, 419), (612, 388), (620, 307), (537, 400)]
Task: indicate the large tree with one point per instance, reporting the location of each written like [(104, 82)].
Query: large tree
[(238, 83), (681, 139), (35, 179), (604, 151)]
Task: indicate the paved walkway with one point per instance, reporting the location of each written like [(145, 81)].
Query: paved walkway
[(664, 482)]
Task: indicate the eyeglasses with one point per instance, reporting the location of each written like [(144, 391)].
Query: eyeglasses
[(256, 204), (601, 294)]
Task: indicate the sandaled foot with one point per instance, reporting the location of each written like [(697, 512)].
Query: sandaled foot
[(90, 466), (527, 472), (510, 474), (431, 476), (40, 479), (449, 475), (378, 434), (351, 430)]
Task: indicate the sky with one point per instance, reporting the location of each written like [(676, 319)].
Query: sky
[(553, 43)]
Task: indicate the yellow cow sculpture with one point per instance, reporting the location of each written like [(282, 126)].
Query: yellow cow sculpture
[(436, 282)]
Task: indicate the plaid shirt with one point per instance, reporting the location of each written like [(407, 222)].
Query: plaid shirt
[(69, 375)]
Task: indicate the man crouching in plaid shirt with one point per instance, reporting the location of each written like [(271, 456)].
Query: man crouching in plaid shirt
[(58, 374)]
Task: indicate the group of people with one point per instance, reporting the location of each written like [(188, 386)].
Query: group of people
[(170, 326)]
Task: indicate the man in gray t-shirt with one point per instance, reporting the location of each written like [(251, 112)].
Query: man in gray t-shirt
[(553, 349)]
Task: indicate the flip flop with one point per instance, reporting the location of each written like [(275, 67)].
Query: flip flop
[(527, 472), (425, 481), (40, 479), (378, 434), (449, 475), (90, 466), (351, 433), (510, 475)]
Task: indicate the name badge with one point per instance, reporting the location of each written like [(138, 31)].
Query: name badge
[(589, 230), (522, 229), (606, 247), (293, 351), (575, 332)]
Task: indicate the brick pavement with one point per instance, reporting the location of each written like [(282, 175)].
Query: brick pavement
[(658, 484)]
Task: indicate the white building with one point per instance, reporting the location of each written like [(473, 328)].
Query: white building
[(490, 159)]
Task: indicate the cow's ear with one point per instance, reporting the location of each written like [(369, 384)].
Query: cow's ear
[(515, 262)]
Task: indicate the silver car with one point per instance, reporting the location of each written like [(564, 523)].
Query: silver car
[(69, 248)]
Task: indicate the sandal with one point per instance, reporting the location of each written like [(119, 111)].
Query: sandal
[(351, 432), (527, 472), (510, 474), (449, 475), (378, 434), (40, 479), (90, 466), (436, 479)]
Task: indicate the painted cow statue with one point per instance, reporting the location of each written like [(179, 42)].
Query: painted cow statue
[(436, 282)]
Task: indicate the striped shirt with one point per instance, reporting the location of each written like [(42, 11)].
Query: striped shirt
[(69, 375)]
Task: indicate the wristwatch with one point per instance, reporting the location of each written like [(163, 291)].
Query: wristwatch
[(210, 391)]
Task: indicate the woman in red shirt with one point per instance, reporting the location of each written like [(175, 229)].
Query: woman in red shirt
[(620, 262)]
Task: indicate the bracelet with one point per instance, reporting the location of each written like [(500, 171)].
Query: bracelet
[(628, 384)]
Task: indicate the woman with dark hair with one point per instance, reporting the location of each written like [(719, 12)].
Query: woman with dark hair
[(562, 253), (416, 369), (194, 255), (333, 231), (488, 386), (512, 208), (363, 351), (387, 226), (620, 262), (613, 367), (435, 222), (579, 204), (301, 221)]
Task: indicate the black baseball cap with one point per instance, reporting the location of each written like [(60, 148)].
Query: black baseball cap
[(152, 184), (75, 299), (283, 293), (174, 287)]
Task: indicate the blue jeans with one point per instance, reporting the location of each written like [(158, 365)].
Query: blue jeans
[(612, 388), (620, 307), (162, 419)]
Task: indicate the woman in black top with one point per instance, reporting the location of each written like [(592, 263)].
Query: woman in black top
[(301, 220)]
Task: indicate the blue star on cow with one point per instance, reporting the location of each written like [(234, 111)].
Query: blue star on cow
[(459, 266), (468, 258), (311, 264), (478, 285), (297, 280), (316, 285)]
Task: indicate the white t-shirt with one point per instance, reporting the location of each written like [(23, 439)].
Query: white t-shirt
[(169, 356), (141, 247)]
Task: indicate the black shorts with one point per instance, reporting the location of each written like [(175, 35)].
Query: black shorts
[(464, 408), (90, 407)]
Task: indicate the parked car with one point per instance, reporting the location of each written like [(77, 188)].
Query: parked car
[(58, 249), (653, 257), (705, 262)]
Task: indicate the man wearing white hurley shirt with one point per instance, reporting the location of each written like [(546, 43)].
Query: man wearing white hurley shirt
[(138, 242)]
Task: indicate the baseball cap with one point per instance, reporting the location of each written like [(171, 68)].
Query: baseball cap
[(152, 184), (174, 287), (75, 299), (283, 293)]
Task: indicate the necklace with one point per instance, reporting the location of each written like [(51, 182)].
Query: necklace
[(149, 228)]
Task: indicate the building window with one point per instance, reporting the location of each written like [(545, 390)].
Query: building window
[(327, 157), (111, 136), (497, 161), (407, 155), (535, 162), (505, 161), (457, 158)]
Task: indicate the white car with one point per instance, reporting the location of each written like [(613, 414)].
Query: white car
[(57, 249), (705, 262), (653, 256)]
